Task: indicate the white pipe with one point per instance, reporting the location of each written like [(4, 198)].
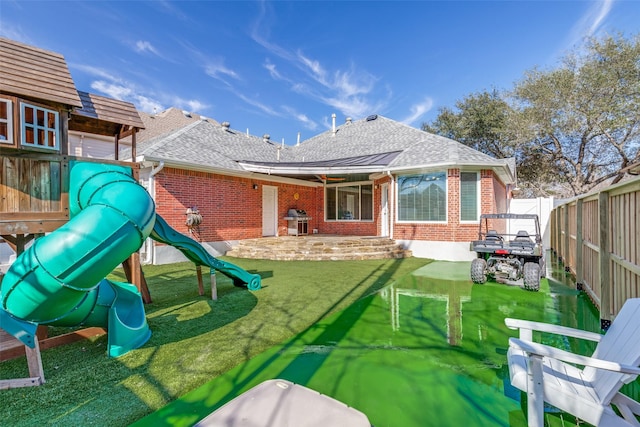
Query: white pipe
[(148, 244), (391, 201)]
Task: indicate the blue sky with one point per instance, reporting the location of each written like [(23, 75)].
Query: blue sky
[(285, 67)]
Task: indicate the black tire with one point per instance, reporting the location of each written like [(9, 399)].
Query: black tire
[(531, 276), (479, 271), (543, 267)]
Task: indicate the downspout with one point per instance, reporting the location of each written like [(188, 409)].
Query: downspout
[(391, 202), (148, 243)]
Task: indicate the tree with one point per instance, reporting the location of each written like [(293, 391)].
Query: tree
[(584, 117), (480, 122), (571, 128)]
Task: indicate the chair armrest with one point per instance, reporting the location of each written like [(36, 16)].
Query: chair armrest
[(565, 356), (554, 329)]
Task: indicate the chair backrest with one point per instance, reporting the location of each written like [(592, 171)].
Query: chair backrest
[(522, 236), (492, 235), (620, 344)]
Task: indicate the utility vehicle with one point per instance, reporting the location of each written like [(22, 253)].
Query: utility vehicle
[(514, 258)]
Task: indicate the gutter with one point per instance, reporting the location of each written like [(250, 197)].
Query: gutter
[(391, 201), (148, 243)]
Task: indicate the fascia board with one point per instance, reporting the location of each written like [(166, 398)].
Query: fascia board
[(229, 172)]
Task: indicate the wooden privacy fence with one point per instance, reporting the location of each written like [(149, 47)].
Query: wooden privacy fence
[(596, 238)]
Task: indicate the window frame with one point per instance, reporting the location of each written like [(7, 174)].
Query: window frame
[(478, 198), (422, 221), (9, 122), (36, 127), (359, 184)]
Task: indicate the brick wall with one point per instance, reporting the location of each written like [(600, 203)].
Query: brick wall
[(232, 209), (453, 230)]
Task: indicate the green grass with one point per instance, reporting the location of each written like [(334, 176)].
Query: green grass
[(194, 339)]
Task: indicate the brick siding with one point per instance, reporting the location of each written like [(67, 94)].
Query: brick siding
[(232, 209)]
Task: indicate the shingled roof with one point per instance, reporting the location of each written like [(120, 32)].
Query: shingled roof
[(373, 144), (108, 110), (36, 73), (209, 145)]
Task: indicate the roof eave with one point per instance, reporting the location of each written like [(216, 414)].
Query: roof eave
[(225, 171), (313, 170)]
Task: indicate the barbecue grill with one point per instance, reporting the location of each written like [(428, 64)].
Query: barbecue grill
[(298, 222)]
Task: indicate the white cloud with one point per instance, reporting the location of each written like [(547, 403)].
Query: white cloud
[(351, 91), (143, 98), (217, 70), (142, 46), (273, 72), (264, 108), (591, 22), (302, 118), (127, 93), (418, 110), (13, 32)]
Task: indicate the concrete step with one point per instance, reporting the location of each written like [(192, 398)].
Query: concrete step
[(319, 248)]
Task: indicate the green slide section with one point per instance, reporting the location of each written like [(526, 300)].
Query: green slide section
[(163, 233), (59, 279)]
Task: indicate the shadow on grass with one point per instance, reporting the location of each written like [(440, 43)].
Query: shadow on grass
[(300, 369)]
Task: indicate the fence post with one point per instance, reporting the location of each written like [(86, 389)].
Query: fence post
[(579, 262), (605, 282), (566, 240)]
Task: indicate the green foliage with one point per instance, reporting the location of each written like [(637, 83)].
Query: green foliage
[(571, 128), (194, 339)]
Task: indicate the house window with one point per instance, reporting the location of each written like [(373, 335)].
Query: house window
[(469, 196), (39, 127), (349, 202), (422, 197), (6, 122)]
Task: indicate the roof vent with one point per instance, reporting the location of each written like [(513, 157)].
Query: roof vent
[(186, 113), (266, 137), (372, 117), (226, 125), (348, 120)]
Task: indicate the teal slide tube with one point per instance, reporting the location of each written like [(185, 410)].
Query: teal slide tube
[(198, 255), (59, 280)]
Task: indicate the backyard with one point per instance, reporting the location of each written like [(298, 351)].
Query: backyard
[(408, 342), (194, 339)]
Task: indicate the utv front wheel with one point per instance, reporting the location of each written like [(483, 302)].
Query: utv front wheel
[(531, 276), (478, 270)]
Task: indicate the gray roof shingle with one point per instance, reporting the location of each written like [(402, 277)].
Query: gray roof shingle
[(372, 142)]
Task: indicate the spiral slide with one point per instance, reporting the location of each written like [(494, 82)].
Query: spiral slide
[(59, 280)]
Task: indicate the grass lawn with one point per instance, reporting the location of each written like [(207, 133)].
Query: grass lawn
[(194, 339)]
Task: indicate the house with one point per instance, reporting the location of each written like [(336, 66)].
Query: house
[(368, 177)]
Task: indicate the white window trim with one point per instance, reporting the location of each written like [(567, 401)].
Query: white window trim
[(9, 122), (350, 184), (23, 127), (397, 200), (478, 201)]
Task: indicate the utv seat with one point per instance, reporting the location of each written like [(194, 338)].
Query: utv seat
[(522, 236), (493, 235)]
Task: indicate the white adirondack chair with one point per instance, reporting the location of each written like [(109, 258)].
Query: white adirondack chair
[(548, 374)]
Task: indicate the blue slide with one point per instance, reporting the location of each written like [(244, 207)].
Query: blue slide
[(59, 280)]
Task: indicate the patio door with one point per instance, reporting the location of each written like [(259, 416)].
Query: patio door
[(384, 210), (269, 210)]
